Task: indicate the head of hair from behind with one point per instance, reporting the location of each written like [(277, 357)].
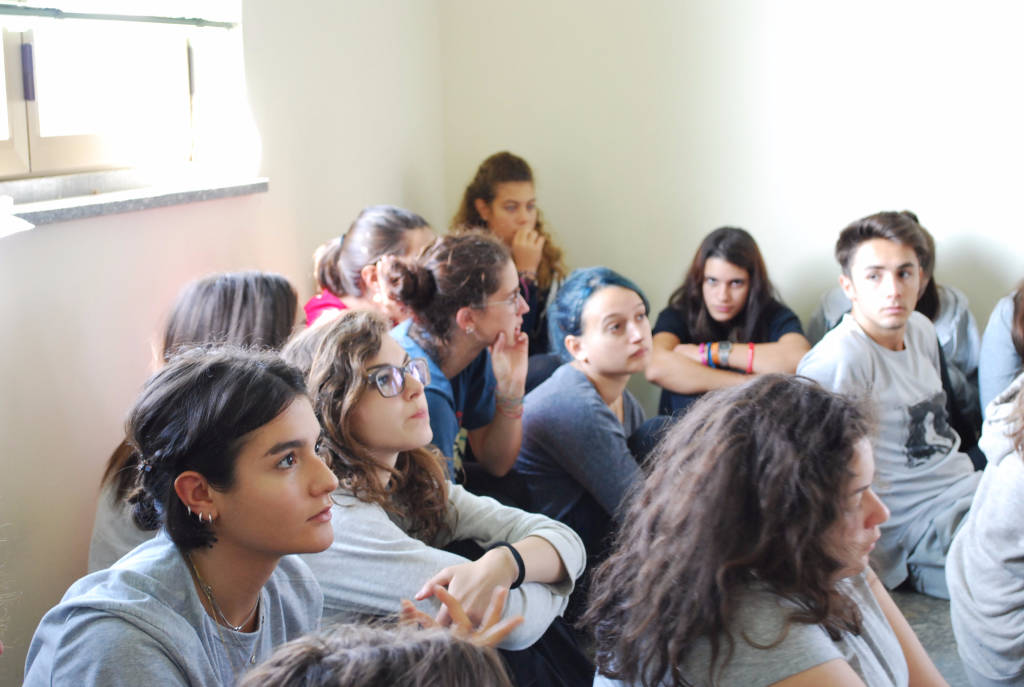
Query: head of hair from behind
[(506, 168), (196, 414), (377, 231), (375, 654), (248, 309), (735, 251), (745, 489), (456, 271), (565, 313), (338, 382)]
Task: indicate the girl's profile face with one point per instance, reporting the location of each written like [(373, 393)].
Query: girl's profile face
[(725, 288), (280, 501), (852, 538), (503, 310), (387, 426), (514, 207), (616, 334)]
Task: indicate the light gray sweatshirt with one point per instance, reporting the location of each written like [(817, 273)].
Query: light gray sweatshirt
[(985, 566), (373, 564), (140, 622)]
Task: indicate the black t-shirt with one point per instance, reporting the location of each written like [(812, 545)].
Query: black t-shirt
[(780, 320)]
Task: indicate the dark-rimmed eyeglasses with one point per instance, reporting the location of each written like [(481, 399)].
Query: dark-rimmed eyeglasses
[(390, 379)]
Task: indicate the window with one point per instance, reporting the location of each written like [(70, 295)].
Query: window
[(90, 90)]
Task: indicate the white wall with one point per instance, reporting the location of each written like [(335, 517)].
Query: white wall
[(347, 98), (648, 124)]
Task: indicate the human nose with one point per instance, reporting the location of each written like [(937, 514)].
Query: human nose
[(324, 480), (878, 512), (522, 307), (413, 385)]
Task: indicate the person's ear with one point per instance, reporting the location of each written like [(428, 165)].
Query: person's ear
[(482, 209), (195, 492), (846, 284), (574, 345), (368, 277), (465, 319)]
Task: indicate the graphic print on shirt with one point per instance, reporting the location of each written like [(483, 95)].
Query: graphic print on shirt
[(930, 433)]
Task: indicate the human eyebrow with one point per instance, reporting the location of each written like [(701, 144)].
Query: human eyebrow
[(283, 446)]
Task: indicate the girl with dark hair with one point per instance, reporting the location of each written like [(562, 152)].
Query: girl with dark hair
[(1002, 347), (395, 509), (722, 323), (467, 314), (984, 568), (249, 309), (575, 461), (743, 558), (346, 268), (501, 198), (229, 470)]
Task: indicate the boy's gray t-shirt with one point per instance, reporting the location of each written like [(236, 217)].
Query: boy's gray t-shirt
[(919, 471), (141, 622), (875, 654)]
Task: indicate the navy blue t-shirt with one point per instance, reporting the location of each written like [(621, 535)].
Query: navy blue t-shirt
[(464, 401), (781, 320)]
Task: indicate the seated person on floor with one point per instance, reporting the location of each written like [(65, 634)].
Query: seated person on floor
[(886, 351), (502, 200), (240, 308), (347, 271), (985, 567), (395, 509), (574, 461), (743, 559), (229, 470), (1002, 346), (467, 311), (949, 311), (722, 323)]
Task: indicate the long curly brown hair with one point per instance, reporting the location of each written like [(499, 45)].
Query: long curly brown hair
[(741, 491), (498, 169), (417, 492)]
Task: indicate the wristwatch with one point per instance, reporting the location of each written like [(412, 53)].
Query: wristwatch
[(724, 347)]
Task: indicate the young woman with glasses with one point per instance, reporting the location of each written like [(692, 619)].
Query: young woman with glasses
[(467, 314), (395, 508)]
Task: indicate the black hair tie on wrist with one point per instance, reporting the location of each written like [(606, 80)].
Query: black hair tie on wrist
[(519, 562)]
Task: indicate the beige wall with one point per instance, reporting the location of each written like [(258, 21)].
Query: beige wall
[(648, 124), (347, 98)]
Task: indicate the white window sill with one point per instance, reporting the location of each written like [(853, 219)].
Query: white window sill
[(79, 196)]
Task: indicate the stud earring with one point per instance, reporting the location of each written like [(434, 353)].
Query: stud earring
[(470, 331)]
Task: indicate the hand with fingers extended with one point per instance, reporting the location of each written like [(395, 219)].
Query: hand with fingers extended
[(488, 632), (509, 361), (527, 249), (472, 583)]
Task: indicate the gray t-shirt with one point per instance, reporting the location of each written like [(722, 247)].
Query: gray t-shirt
[(373, 563), (761, 616), (141, 622), (919, 472), (985, 567), (1000, 362)]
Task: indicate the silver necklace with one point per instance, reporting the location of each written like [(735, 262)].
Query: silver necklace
[(208, 593)]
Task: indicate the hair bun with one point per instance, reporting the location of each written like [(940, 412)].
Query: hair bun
[(409, 282)]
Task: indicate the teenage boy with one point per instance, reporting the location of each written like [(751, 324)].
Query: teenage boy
[(884, 350)]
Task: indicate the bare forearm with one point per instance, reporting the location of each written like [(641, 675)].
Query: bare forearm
[(780, 356), (678, 373), (923, 672), (541, 559)]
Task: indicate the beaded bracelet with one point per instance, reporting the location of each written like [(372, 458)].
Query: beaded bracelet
[(750, 357)]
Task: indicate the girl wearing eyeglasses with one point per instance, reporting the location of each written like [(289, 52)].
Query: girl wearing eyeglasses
[(395, 508), (467, 315)]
